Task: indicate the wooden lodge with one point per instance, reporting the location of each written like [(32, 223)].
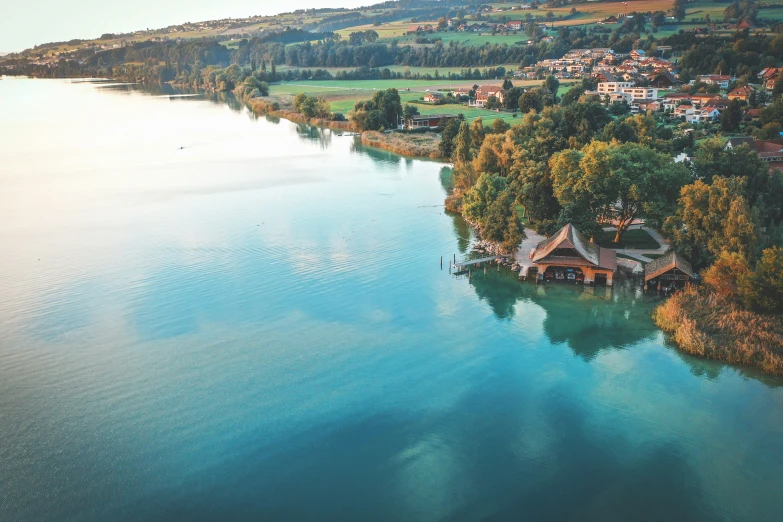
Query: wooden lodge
[(667, 271), (569, 256)]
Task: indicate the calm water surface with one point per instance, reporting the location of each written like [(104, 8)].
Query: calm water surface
[(256, 326)]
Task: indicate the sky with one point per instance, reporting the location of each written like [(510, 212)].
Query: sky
[(23, 24)]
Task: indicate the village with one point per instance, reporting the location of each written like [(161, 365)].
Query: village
[(635, 83)]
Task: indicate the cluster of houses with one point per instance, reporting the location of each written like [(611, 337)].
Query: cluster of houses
[(635, 66)]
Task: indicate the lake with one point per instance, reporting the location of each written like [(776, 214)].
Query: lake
[(208, 315)]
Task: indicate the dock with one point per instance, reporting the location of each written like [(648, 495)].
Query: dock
[(462, 264), (523, 253)]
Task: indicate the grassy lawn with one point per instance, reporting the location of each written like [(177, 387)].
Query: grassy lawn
[(636, 238), (343, 95)]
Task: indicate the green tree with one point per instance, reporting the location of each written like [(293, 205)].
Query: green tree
[(678, 9), (501, 223), (731, 118), (714, 218), (493, 103), (462, 147), (724, 275), (762, 289), (618, 182), (477, 134), (763, 189), (499, 126), (477, 200), (447, 136), (531, 101)]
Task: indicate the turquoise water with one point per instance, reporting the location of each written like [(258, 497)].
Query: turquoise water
[(256, 326)]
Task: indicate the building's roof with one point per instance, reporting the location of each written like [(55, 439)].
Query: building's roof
[(570, 237), (769, 73), (769, 148), (665, 263), (489, 89), (666, 75), (574, 239), (609, 77), (745, 90), (422, 117), (737, 142)]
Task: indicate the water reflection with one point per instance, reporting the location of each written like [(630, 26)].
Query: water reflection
[(587, 319), (463, 232), (317, 134)]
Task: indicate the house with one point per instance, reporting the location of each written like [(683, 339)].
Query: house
[(769, 76), (733, 143), (645, 105), (702, 115), (770, 151), (673, 100), (609, 87), (717, 103), (721, 80), (682, 110), (667, 271), (663, 80), (641, 93), (460, 92), (741, 93), (745, 24), (485, 92), (429, 121), (700, 99), (752, 114), (433, 97), (515, 25), (569, 256), (637, 54), (604, 77)]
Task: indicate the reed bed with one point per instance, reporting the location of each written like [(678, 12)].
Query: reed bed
[(703, 324), (419, 145)]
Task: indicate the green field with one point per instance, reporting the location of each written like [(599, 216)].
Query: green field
[(636, 238), (343, 95)]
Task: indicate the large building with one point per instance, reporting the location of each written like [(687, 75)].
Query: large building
[(485, 92), (569, 256)]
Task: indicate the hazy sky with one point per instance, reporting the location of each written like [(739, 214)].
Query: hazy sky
[(24, 24)]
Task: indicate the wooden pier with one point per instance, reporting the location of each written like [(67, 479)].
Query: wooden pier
[(465, 263)]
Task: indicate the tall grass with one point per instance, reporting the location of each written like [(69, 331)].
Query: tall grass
[(701, 323), (420, 145)]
